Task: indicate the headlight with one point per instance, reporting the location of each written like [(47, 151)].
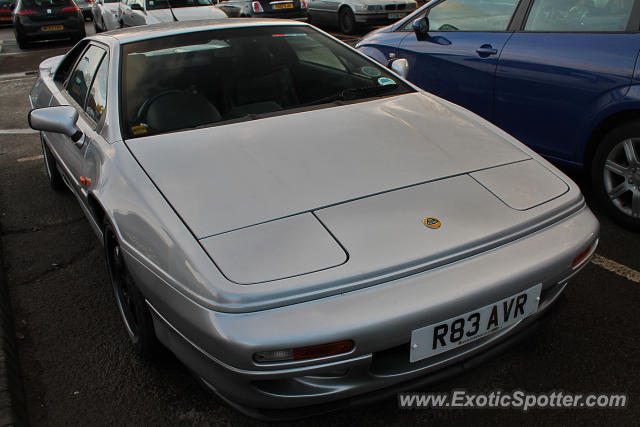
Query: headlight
[(361, 7)]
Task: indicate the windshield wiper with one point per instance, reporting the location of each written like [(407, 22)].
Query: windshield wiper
[(354, 93)]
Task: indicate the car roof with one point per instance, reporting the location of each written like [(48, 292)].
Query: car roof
[(145, 32)]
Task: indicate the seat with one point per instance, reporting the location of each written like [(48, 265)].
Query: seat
[(177, 109), (261, 83)]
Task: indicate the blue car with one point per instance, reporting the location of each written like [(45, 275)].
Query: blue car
[(560, 75)]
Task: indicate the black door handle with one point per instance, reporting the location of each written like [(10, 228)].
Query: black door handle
[(486, 50)]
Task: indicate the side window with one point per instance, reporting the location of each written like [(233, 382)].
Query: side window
[(470, 15), (82, 75), (63, 70), (579, 15), (97, 99)]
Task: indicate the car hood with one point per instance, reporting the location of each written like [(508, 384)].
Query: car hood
[(184, 14), (234, 176)]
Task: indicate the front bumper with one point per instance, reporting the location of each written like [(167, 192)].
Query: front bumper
[(218, 347), (284, 14), (380, 18)]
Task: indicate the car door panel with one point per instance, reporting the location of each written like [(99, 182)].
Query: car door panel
[(457, 66), (458, 57), (74, 93), (550, 85), (72, 154)]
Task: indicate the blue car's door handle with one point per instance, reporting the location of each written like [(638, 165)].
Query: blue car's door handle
[(486, 50)]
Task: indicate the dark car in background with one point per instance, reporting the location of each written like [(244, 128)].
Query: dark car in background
[(5, 12), (562, 76), (264, 8), (35, 20)]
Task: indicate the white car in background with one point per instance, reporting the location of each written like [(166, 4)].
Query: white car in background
[(349, 14), (142, 12), (105, 15)]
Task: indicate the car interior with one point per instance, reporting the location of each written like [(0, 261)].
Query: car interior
[(233, 79), (579, 15)]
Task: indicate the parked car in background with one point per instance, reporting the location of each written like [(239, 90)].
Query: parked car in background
[(348, 15), (297, 223), (265, 8), (6, 7), (85, 6), (561, 76), (105, 15), (35, 20), (142, 12)]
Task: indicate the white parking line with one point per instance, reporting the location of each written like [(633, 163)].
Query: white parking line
[(30, 158), (16, 131), (614, 267)]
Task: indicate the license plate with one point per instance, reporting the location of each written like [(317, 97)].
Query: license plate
[(5, 18), (283, 6), (460, 330), (52, 28), (397, 15)]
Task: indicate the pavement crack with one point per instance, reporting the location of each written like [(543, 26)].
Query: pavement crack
[(10, 231)]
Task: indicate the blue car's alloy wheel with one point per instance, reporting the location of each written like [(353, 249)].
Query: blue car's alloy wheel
[(616, 174)]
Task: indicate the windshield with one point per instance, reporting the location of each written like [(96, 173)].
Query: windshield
[(213, 78), (164, 4)]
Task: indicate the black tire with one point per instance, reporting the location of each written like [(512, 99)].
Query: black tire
[(615, 174), (346, 21), (22, 43), (131, 303), (55, 178)]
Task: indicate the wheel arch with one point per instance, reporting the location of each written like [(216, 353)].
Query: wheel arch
[(603, 127)]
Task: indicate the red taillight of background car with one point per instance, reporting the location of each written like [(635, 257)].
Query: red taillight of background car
[(257, 7), (70, 9), (24, 12), (5, 10)]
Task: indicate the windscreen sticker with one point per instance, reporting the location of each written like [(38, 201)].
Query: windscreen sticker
[(139, 129), (370, 71), (384, 81)]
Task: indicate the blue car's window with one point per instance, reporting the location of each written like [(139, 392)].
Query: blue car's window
[(219, 77), (470, 15), (579, 15)]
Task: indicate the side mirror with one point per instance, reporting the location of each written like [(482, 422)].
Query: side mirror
[(421, 28), (400, 66), (60, 119), (136, 6)]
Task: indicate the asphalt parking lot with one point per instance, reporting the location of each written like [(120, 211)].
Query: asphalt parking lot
[(79, 369)]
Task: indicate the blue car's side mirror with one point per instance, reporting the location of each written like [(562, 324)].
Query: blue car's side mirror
[(421, 28)]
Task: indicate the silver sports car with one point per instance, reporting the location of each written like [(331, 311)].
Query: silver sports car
[(298, 224)]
